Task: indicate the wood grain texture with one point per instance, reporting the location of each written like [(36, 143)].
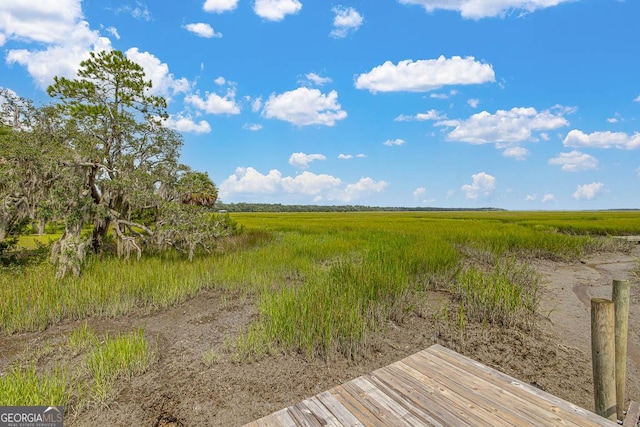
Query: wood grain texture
[(434, 387)]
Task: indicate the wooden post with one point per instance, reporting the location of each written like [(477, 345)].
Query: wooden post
[(603, 353), (621, 290)]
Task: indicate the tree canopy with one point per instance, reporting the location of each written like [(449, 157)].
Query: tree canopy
[(101, 159)]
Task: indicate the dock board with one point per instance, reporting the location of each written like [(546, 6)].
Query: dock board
[(434, 387)]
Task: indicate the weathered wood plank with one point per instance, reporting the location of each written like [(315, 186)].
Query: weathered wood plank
[(430, 399), (386, 401), (356, 407), (633, 415), (534, 395), (322, 412), (505, 406), (436, 387)]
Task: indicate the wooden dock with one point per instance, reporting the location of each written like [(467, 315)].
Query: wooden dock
[(434, 387)]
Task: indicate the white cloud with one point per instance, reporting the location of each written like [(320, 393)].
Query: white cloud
[(477, 9), (515, 125), (620, 140), (140, 11), (252, 126), (361, 156), (345, 156), (637, 99), (347, 20), (425, 75), (220, 81), (276, 10), (302, 160), (548, 197), (612, 120), (531, 197), (186, 124), (444, 95), (304, 106), (219, 6), (61, 36), (518, 153), (473, 102), (163, 82), (317, 80), (256, 104), (392, 142), (44, 21), (202, 30), (360, 189), (214, 103), (574, 161), (111, 30), (419, 192), (588, 191), (483, 186), (248, 181), (429, 115)]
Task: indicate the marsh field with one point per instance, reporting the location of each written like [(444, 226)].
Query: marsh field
[(301, 302)]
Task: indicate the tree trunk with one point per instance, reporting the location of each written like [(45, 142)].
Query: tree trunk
[(99, 233)]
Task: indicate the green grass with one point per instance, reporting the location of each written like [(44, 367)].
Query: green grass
[(104, 361), (324, 281)]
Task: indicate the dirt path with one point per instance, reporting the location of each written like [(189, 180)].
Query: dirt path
[(182, 388)]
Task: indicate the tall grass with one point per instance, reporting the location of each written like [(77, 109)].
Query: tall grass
[(321, 280)]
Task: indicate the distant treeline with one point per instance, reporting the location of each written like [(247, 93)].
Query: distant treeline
[(277, 207)]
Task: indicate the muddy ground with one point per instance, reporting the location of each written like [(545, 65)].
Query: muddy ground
[(181, 388)]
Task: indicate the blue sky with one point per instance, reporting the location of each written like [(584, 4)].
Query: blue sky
[(518, 104)]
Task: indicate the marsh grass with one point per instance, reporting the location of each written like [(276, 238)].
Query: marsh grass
[(324, 281), (103, 361), (507, 294), (24, 386), (122, 356)]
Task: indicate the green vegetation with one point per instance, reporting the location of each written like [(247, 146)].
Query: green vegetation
[(323, 282), (103, 360)]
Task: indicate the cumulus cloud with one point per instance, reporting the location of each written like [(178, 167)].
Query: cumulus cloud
[(637, 99), (512, 126), (620, 140), (419, 192), (56, 36), (302, 160), (202, 30), (425, 75), (187, 124), (316, 79), (220, 81), (213, 103), (304, 107), (276, 10), (574, 161), (247, 181), (477, 9), (588, 191), (531, 197), (429, 115), (163, 82), (482, 186), (347, 20), (473, 102), (548, 197), (219, 6), (394, 142), (516, 152)]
